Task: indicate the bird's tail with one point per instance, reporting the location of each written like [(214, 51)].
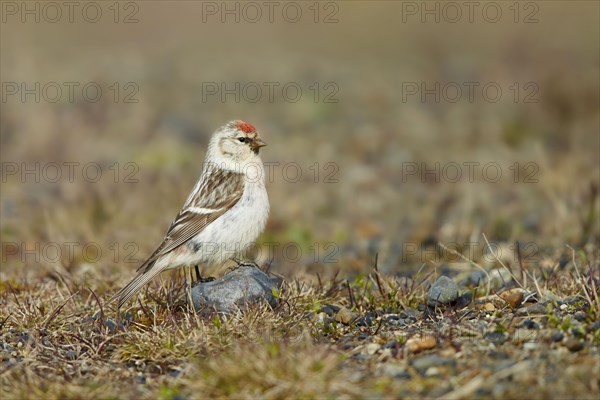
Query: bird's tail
[(136, 283)]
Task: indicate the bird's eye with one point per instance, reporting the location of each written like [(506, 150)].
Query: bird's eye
[(242, 139)]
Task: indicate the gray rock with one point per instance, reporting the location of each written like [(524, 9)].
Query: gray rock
[(474, 278), (530, 324), (499, 277), (443, 291), (395, 371), (5, 347), (495, 337), (579, 316), (246, 284), (110, 324), (557, 336), (534, 309), (422, 364), (345, 316), (574, 345)]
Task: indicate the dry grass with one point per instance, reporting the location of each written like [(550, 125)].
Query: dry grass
[(58, 343)]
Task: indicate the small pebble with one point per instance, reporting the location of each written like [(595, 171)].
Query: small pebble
[(327, 310), (503, 364), (498, 355), (10, 362), (530, 346), (464, 300), (475, 278), (395, 371), (367, 320), (573, 344), (7, 347), (391, 345), (411, 312), (112, 327), (532, 310), (524, 335), (443, 291), (360, 357), (333, 307), (320, 318), (345, 316), (557, 336), (572, 300), (495, 337), (513, 297), (422, 364), (415, 345), (530, 324), (396, 320), (579, 316), (372, 348), (578, 331)]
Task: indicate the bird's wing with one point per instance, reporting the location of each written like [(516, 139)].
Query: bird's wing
[(218, 192)]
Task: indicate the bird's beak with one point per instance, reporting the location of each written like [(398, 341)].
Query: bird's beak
[(257, 143)]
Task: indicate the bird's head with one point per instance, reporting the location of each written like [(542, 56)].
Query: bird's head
[(236, 142)]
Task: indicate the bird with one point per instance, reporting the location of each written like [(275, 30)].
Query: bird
[(225, 212)]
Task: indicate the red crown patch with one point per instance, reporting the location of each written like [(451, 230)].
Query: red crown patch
[(245, 127)]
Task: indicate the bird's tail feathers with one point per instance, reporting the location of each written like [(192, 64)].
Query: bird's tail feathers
[(136, 283)]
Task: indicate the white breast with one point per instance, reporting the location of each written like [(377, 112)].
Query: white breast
[(239, 227)]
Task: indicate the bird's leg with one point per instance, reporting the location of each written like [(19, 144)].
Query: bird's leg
[(188, 278), (203, 280), (200, 278)]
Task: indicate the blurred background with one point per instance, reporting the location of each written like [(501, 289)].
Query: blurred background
[(391, 126)]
